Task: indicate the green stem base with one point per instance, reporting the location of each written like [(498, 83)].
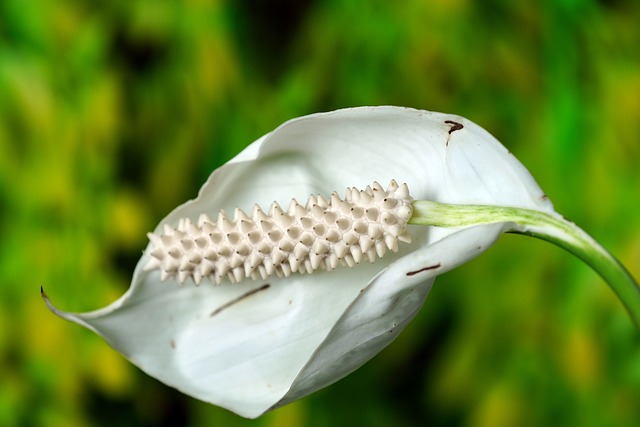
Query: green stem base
[(543, 225)]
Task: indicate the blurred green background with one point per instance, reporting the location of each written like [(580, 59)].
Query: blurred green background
[(112, 113)]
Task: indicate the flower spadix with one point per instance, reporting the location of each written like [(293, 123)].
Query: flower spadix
[(318, 235), (252, 341)]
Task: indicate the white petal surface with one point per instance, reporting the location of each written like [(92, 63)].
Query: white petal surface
[(254, 345), (385, 307)]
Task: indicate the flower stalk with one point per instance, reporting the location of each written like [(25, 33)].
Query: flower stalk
[(550, 227), (324, 233)]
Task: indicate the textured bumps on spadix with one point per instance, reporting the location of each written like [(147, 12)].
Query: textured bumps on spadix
[(323, 234)]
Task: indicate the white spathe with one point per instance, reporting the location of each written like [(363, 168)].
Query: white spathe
[(257, 345)]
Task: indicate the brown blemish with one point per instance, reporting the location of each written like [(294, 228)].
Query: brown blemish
[(431, 267), (240, 298), (173, 344), (454, 127)]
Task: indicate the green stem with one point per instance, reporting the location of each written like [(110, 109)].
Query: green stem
[(543, 225)]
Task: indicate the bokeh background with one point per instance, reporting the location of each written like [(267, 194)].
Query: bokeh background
[(114, 112)]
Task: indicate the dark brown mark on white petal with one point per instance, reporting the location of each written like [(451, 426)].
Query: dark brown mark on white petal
[(454, 127), (431, 267), (240, 298), (173, 344)]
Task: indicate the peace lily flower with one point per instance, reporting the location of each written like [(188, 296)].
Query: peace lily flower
[(252, 311)]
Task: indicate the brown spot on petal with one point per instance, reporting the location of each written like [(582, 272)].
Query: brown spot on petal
[(173, 344), (240, 298), (454, 127), (431, 267)]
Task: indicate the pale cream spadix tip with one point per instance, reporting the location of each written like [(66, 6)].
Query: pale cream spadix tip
[(321, 234)]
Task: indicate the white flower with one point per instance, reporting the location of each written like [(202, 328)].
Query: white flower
[(260, 344)]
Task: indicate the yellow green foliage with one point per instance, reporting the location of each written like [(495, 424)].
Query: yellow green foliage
[(112, 113)]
